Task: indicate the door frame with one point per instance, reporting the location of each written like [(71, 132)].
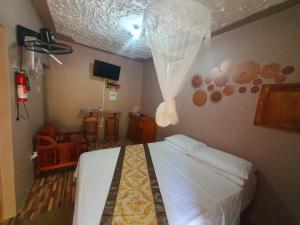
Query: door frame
[(7, 180)]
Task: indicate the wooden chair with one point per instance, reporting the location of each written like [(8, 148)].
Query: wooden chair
[(55, 133), (56, 149), (90, 130), (111, 132)]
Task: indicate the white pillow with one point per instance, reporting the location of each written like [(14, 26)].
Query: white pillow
[(186, 144), (239, 181), (226, 162), (234, 179)]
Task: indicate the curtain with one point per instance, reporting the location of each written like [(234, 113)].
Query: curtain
[(175, 30)]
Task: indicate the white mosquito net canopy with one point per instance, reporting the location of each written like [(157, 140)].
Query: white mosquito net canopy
[(175, 30)]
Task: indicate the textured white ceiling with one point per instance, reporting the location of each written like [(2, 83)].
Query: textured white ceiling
[(97, 23)]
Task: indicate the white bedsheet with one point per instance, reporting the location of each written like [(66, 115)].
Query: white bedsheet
[(192, 194)]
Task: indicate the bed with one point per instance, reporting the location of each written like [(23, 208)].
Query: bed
[(193, 191)]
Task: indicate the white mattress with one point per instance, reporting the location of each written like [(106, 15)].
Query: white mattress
[(248, 192), (192, 193)]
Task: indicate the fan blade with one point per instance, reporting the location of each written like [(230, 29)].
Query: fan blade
[(56, 59)]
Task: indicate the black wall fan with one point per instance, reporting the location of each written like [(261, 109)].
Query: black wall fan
[(43, 42)]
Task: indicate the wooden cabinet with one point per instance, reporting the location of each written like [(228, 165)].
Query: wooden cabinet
[(141, 129)]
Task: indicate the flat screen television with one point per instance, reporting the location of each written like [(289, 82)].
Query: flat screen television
[(106, 70)]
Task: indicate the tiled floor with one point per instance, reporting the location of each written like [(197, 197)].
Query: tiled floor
[(49, 192), (53, 190)]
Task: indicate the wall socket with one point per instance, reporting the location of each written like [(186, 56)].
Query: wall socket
[(112, 95), (33, 156)]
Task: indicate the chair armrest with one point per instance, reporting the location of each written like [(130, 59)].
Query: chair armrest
[(69, 136), (74, 132), (43, 140)]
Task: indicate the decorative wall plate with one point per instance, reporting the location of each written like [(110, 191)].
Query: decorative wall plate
[(197, 81), (288, 70), (211, 87), (199, 98), (279, 78), (221, 81), (216, 96), (228, 90), (246, 72), (270, 70), (255, 89), (242, 90), (257, 82)]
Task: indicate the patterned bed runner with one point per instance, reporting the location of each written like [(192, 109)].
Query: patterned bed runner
[(134, 197)]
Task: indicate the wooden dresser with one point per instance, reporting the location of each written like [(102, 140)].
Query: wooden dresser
[(141, 129)]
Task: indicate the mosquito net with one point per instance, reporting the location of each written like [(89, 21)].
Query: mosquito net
[(175, 30)]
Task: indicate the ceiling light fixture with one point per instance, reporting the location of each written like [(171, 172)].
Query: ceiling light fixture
[(133, 24)]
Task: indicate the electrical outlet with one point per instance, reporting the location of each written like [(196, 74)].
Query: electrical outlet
[(112, 95), (33, 156)]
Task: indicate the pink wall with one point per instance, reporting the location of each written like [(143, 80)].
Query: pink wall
[(228, 125), (13, 12), (71, 86)]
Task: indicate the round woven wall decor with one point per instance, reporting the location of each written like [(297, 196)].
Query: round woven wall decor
[(211, 87), (228, 90), (270, 70), (246, 72), (242, 90), (257, 82), (197, 81), (255, 89), (199, 98), (288, 70), (216, 96), (279, 78)]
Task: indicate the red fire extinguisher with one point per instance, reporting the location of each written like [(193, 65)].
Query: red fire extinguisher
[(22, 87)]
